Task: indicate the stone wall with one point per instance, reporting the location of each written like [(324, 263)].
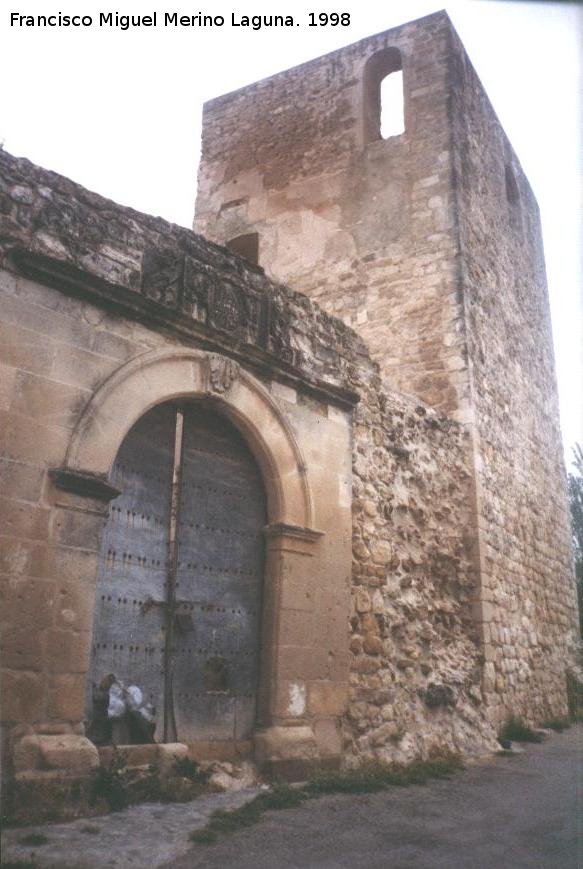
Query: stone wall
[(85, 291), (416, 671), (93, 296), (529, 604), (165, 276), (429, 245), (365, 227)]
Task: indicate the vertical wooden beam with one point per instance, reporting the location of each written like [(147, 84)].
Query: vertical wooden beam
[(170, 734)]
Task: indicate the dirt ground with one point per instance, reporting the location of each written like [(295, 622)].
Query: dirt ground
[(518, 812)]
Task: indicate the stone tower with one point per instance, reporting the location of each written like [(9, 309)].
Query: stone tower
[(429, 244)]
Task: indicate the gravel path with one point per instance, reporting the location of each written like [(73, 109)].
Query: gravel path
[(518, 812), (149, 835)]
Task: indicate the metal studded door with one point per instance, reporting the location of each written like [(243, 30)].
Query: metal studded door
[(179, 595), (129, 620), (219, 581)]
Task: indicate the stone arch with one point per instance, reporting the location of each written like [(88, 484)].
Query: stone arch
[(163, 375)]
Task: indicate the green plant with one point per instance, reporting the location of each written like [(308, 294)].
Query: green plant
[(397, 736), (204, 836), (281, 796), (515, 730), (34, 839), (147, 788), (368, 778), (574, 696), (557, 724), (109, 783), (371, 777), (185, 767), (18, 864)]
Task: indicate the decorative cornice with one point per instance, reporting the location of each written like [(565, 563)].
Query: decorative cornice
[(181, 296), (84, 483), (282, 529)]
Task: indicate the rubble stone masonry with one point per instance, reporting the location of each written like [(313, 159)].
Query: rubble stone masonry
[(529, 603)]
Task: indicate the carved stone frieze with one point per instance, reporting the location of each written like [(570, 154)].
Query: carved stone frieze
[(54, 232), (162, 276), (178, 281)]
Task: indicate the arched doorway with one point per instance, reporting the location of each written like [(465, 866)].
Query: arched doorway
[(179, 594)]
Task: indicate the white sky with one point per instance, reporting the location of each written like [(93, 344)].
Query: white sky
[(119, 112)]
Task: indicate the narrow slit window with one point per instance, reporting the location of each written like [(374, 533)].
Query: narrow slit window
[(246, 246), (383, 96), (392, 120)]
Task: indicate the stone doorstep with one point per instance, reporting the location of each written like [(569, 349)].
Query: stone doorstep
[(70, 753), (222, 750), (65, 753), (51, 775), (205, 752), (162, 755), (135, 755), (289, 753)]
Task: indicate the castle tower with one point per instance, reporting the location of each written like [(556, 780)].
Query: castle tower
[(428, 242), (364, 225)]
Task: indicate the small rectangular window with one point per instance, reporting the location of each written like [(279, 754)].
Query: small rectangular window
[(246, 246), (392, 108), (383, 94)]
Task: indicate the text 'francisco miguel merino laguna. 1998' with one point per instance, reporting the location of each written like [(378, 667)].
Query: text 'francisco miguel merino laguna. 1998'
[(173, 19)]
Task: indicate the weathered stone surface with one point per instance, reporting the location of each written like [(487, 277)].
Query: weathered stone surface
[(286, 743), (429, 245), (327, 698), (234, 777), (155, 271), (23, 696), (364, 226), (26, 754), (67, 697), (414, 628), (462, 602), (168, 754), (530, 607), (68, 752)]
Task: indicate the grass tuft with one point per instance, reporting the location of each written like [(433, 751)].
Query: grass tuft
[(34, 839), (373, 777), (18, 864), (369, 778), (515, 730), (185, 767), (204, 836), (91, 828), (557, 724), (281, 796)]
